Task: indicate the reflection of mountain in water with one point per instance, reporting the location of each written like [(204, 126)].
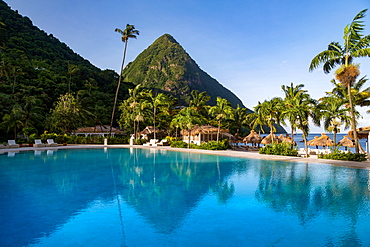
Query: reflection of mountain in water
[(40, 193), (164, 192)]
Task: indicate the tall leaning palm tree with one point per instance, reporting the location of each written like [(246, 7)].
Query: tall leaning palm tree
[(129, 32), (354, 45)]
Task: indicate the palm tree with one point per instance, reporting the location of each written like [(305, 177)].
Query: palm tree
[(199, 102), (156, 102), (138, 105), (302, 107), (240, 115), (221, 111), (72, 69), (126, 34), (360, 97), (187, 119), (292, 95), (355, 45), (256, 120), (270, 112), (13, 120), (332, 111)]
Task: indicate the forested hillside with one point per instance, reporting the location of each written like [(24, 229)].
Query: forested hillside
[(36, 69), (46, 86)]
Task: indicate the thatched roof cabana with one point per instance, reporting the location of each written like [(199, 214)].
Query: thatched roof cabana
[(148, 132), (204, 133), (362, 133), (253, 137), (346, 142), (98, 130), (268, 139), (204, 129)]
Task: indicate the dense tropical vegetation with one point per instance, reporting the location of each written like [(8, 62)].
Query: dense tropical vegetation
[(355, 45)]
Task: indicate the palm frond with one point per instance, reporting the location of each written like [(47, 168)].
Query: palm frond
[(328, 57)]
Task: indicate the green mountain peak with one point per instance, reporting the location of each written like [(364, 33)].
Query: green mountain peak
[(166, 66)]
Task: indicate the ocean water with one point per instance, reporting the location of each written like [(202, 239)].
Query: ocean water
[(300, 143), (137, 197)]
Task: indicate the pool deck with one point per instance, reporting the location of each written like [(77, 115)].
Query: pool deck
[(232, 153)]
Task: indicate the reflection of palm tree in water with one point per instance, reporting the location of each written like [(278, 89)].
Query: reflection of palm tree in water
[(118, 201)]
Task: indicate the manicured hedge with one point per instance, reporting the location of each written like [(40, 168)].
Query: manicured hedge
[(343, 156), (284, 149)]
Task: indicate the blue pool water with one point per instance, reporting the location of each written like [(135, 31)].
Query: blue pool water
[(137, 197)]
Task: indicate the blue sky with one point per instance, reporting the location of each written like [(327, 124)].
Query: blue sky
[(250, 47)]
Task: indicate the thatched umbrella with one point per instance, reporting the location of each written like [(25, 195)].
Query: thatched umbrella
[(323, 140), (346, 142), (253, 137), (312, 141), (268, 139), (287, 139)]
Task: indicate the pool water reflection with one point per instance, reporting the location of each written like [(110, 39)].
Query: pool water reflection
[(139, 197)]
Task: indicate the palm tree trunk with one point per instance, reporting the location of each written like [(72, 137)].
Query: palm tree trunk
[(154, 123), (353, 120), (118, 86), (218, 130), (305, 144), (188, 138), (335, 137)]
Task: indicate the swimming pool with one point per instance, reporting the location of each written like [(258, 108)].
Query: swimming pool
[(151, 197)]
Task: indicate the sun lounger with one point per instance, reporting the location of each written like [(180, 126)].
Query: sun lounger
[(51, 143), (2, 146), (39, 144), (152, 142), (163, 142), (12, 144)]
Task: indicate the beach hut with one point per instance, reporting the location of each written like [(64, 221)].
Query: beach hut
[(204, 133), (268, 139), (148, 133), (100, 130), (362, 133), (253, 138)]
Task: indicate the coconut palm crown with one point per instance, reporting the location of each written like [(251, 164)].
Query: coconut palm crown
[(354, 45)]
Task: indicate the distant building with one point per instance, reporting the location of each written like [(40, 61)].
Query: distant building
[(101, 130)]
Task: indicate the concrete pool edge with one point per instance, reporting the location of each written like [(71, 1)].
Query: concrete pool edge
[(231, 153)]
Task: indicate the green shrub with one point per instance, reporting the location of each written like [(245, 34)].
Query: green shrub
[(172, 139), (82, 139), (284, 149), (214, 145), (140, 141), (343, 156), (178, 144)]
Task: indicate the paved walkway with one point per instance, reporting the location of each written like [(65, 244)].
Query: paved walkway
[(233, 153)]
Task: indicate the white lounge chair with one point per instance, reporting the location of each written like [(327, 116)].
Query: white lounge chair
[(163, 142), (39, 144), (51, 143), (12, 144), (152, 142)]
